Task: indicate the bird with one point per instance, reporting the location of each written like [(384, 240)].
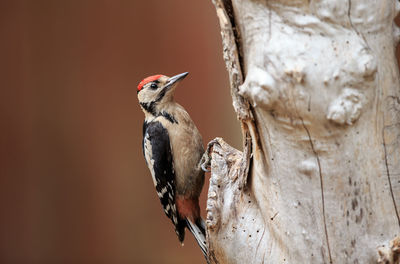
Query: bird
[(173, 149)]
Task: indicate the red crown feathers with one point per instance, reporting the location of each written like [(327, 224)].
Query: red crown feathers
[(147, 80)]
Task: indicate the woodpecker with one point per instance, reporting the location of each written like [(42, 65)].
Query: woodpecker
[(173, 148)]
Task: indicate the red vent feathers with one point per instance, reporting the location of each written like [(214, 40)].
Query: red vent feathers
[(147, 80)]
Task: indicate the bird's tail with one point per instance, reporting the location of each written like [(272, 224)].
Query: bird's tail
[(199, 232)]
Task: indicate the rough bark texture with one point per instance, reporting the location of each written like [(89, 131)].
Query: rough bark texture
[(316, 87)]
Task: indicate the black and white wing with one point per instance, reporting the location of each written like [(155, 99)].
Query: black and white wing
[(157, 152)]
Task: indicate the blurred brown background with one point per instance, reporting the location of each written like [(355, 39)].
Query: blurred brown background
[(74, 187)]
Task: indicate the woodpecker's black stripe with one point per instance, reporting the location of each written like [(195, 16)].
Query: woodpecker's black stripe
[(151, 106), (161, 95), (157, 152), (169, 117)]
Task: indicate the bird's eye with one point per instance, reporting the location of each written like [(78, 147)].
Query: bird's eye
[(153, 86)]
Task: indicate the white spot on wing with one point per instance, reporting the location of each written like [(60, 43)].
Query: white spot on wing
[(148, 154), (162, 192)]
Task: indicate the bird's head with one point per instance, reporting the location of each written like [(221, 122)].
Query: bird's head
[(157, 90)]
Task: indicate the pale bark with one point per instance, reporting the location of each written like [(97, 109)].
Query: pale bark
[(316, 87)]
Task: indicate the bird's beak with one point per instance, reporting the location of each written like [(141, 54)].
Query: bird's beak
[(171, 81)]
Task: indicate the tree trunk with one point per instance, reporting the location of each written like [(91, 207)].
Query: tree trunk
[(315, 85)]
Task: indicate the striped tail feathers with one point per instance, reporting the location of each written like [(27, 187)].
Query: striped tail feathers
[(199, 233)]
